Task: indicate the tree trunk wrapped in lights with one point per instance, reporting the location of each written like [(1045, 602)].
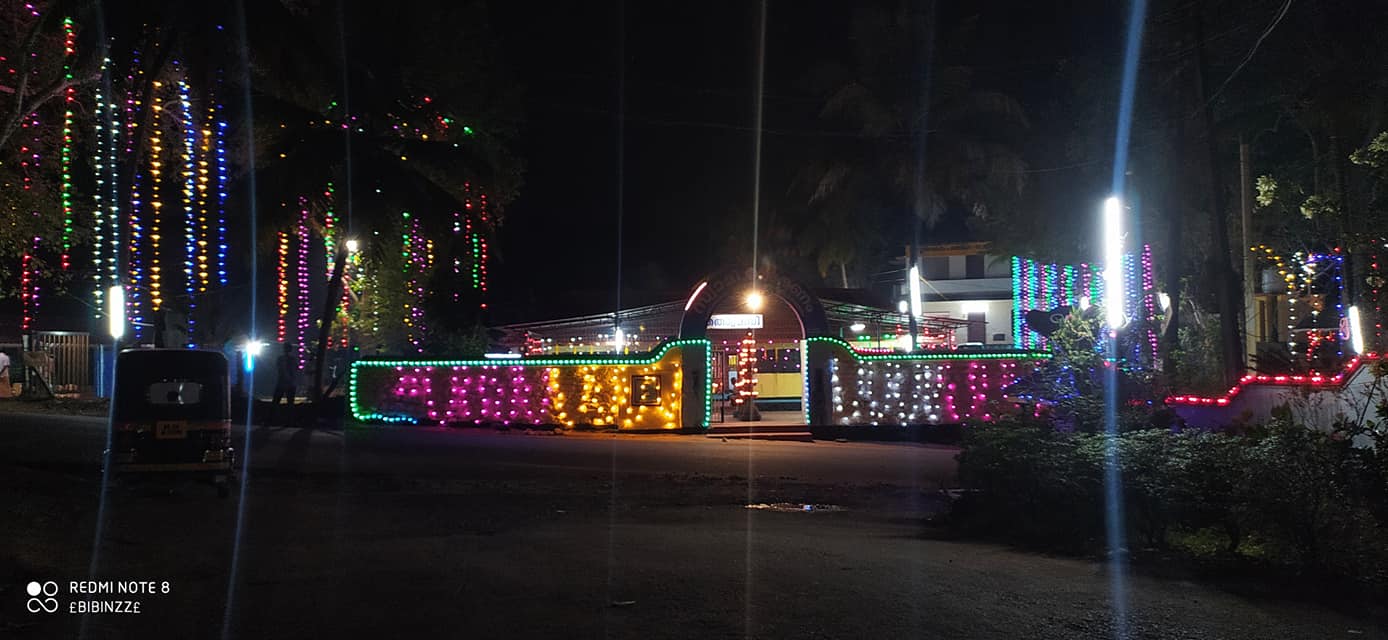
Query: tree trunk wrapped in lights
[(745, 398)]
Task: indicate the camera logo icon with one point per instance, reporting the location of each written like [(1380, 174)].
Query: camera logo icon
[(41, 597)]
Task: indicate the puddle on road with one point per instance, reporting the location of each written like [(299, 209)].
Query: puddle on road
[(799, 507)]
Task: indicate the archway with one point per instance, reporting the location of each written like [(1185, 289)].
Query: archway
[(710, 293), (729, 285)]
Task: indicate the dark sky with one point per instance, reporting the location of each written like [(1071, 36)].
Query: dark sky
[(690, 71)]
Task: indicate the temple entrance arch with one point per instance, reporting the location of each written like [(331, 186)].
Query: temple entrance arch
[(728, 288), (733, 284)]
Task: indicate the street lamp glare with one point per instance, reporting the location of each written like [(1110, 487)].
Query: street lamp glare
[(1113, 263), (352, 246), (755, 300), (857, 327), (115, 313), (1356, 333), (914, 288)]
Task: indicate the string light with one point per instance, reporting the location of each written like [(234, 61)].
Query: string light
[(282, 285), (746, 385), (135, 270), (155, 244), (600, 391), (917, 389), (1038, 286), (103, 139), (1313, 380), (206, 143), (191, 233), (221, 200), (301, 282), (29, 263), (330, 234), (1018, 286), (418, 255), (1149, 296), (65, 157), (1376, 283), (28, 288)]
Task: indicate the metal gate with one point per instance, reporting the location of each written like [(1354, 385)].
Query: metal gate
[(69, 362)]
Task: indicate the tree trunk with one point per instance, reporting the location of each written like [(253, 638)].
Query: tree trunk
[(1175, 256), (325, 324), (1222, 269)]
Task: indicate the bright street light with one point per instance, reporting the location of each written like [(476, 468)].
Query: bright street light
[(252, 348), (857, 327), (115, 312), (754, 300), (1113, 263), (352, 246), (1356, 333), (915, 287)]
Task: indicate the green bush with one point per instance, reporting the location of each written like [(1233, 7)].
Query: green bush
[(1037, 483), (1309, 498)]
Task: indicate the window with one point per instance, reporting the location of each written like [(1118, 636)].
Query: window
[(174, 392), (974, 266), (935, 268)]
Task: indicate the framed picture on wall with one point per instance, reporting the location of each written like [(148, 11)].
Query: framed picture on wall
[(645, 391)]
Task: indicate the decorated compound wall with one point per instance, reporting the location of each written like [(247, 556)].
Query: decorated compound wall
[(896, 389), (638, 393)]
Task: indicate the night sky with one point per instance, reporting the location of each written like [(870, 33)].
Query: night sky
[(689, 138)]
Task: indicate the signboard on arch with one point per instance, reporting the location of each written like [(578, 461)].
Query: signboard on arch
[(735, 321)]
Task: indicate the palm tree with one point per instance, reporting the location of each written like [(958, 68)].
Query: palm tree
[(872, 180), (402, 116)]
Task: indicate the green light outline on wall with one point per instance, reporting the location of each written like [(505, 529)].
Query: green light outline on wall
[(650, 358)]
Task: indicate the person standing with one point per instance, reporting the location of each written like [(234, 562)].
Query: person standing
[(5, 389), (286, 371)]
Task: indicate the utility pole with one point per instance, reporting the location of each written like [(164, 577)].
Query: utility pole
[(1251, 316)]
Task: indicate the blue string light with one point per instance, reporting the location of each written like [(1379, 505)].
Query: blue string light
[(190, 231)]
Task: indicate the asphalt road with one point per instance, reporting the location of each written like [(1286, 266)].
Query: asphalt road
[(437, 533)]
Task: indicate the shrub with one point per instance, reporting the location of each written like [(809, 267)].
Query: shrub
[(1311, 499), (1038, 484)]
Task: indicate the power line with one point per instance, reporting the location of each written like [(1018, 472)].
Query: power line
[(1266, 32)]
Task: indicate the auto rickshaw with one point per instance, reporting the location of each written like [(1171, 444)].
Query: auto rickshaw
[(171, 414)]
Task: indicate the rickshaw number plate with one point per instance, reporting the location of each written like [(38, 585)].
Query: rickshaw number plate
[(170, 430)]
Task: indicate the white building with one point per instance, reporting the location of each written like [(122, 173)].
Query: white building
[(964, 280)]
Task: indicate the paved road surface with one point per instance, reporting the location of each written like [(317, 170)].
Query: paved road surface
[(424, 533)]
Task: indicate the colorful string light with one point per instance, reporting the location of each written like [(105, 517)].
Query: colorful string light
[(28, 288), (600, 391), (65, 157), (135, 298), (1040, 286), (221, 200), (1313, 380), (190, 220), (281, 285), (302, 282), (418, 255), (103, 140), (156, 299), (205, 142)]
